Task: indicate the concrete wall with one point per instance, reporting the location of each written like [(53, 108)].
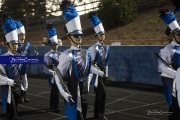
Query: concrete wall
[(127, 63), (135, 64)]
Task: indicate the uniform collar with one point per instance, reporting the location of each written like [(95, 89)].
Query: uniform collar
[(52, 50), (10, 53), (175, 44), (75, 48), (21, 42), (98, 43)]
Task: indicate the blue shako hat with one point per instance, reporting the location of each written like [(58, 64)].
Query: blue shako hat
[(9, 29), (52, 34), (20, 27), (169, 19), (96, 22), (72, 19)]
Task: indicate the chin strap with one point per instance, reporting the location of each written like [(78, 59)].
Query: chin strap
[(53, 48), (101, 41), (73, 41), (11, 49), (176, 39), (21, 39)]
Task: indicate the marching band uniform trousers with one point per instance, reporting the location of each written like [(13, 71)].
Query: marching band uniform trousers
[(100, 98), (174, 109), (54, 96), (84, 99), (12, 107)]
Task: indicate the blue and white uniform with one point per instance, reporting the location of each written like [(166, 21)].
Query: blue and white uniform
[(75, 63), (74, 66), (48, 69), (22, 50), (14, 72), (169, 65), (170, 54), (100, 57), (11, 94)]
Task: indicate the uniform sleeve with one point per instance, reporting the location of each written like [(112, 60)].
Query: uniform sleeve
[(94, 70), (63, 67), (165, 55), (64, 63), (46, 64), (92, 51), (27, 49), (24, 84), (4, 80), (107, 60)]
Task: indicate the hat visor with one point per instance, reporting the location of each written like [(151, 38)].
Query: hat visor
[(13, 41), (101, 33), (77, 35), (176, 30), (76, 32), (21, 34), (53, 43)]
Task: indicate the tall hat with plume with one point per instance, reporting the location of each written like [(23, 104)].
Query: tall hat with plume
[(20, 27), (64, 3), (72, 18), (9, 28), (97, 24), (52, 34), (169, 19)]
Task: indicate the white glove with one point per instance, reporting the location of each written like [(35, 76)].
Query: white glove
[(96, 71), (10, 82), (101, 73), (53, 73), (177, 73), (63, 93), (66, 96), (89, 80)]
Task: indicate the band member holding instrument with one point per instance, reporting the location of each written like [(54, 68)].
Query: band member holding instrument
[(11, 93), (169, 65), (100, 56), (75, 63), (23, 48), (48, 66)]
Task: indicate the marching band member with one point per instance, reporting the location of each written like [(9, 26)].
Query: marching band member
[(48, 68), (74, 64), (11, 94), (99, 55), (23, 48), (168, 64)]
